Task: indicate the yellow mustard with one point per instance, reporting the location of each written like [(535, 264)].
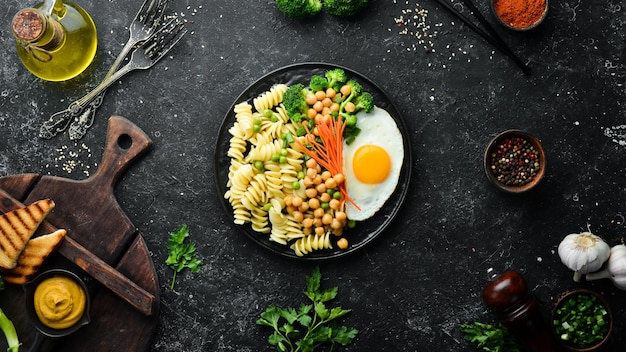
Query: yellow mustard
[(59, 302)]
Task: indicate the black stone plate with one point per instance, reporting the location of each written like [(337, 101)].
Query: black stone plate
[(365, 231)]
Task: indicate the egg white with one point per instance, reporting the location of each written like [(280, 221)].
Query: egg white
[(377, 128)]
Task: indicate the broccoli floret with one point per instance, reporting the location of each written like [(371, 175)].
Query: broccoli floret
[(318, 83), (335, 77), (365, 102), (294, 100), (345, 8), (299, 8)]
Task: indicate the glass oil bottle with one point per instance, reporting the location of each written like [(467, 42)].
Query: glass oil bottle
[(56, 40)]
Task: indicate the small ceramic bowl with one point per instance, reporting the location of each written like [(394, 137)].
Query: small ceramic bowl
[(557, 316), (514, 172), (510, 24), (29, 293)]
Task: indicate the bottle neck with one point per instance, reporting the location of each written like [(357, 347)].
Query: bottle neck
[(39, 34)]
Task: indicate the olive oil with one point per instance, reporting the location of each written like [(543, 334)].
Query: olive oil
[(56, 41)]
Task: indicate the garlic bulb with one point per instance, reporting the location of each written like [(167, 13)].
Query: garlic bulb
[(583, 252), (615, 268)]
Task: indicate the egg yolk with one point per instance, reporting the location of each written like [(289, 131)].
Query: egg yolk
[(371, 164)]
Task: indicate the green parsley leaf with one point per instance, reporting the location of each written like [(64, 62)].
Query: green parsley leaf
[(489, 338), (182, 255), (316, 320)]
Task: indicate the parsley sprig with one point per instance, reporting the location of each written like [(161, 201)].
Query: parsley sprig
[(182, 255), (489, 338), (311, 325)]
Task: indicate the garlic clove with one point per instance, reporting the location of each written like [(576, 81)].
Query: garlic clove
[(615, 268)]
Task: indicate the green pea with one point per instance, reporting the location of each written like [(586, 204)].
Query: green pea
[(275, 158), (256, 128), (258, 164), (337, 195), (283, 160), (296, 185), (325, 205), (268, 113)]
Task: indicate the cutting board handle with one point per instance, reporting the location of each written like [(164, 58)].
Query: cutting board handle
[(124, 142)]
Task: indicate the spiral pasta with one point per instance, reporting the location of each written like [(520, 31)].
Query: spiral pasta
[(258, 184), (270, 99)]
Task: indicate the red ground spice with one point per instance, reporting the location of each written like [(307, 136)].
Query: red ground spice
[(519, 13)]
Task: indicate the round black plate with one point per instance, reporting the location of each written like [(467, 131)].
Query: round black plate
[(365, 231)]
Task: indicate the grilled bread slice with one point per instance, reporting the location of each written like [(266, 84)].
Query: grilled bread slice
[(17, 227), (33, 256)]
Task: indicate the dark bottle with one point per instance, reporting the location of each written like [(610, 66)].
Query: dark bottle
[(509, 299)]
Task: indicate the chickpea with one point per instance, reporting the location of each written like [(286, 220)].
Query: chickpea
[(318, 213), (310, 99), (334, 204), (290, 209), (307, 222), (327, 102), (308, 182), (288, 200), (336, 224), (326, 112), (318, 179), (314, 203), (330, 183), (330, 93), (339, 179), (320, 95), (320, 187), (326, 175), (345, 90), (311, 173), (350, 107), (298, 216), (318, 106), (334, 107), (327, 219), (320, 231), (311, 113), (317, 222), (324, 197), (304, 207), (311, 163), (296, 201), (342, 243), (311, 193), (340, 215), (307, 230)]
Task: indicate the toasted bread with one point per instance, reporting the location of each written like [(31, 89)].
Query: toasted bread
[(17, 227), (33, 256)]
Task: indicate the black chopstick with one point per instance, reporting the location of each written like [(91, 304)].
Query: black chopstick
[(491, 37)]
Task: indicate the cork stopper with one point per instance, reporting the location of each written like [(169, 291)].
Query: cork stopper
[(28, 24)]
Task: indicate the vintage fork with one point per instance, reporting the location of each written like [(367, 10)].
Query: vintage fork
[(144, 57), (145, 23)]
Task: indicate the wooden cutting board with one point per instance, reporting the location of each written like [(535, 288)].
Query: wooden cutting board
[(104, 248)]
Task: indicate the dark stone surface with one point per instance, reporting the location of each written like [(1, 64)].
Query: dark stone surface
[(411, 287)]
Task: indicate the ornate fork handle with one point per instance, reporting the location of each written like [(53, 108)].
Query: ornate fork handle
[(59, 121)]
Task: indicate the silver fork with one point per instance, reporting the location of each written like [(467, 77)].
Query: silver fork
[(145, 23), (145, 56)]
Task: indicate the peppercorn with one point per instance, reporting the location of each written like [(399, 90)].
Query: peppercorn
[(514, 161)]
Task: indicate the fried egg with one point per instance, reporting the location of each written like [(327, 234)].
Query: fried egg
[(372, 163)]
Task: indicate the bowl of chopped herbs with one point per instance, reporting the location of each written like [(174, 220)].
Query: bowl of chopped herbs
[(514, 161), (582, 320)]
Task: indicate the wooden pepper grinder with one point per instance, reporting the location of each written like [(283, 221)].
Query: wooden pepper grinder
[(508, 297)]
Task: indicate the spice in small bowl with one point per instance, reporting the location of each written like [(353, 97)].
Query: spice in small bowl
[(514, 161), (520, 15), (582, 320)]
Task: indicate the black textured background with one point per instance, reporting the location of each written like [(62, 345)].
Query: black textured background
[(411, 287)]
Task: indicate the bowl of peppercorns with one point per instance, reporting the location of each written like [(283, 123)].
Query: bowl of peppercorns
[(514, 161)]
